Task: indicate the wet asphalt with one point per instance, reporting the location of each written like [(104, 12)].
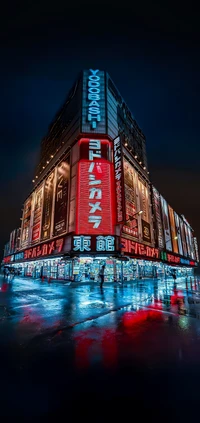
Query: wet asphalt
[(79, 351)]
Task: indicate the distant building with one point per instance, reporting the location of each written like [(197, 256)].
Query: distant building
[(92, 201)]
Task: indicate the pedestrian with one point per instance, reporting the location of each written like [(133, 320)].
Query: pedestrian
[(101, 275)]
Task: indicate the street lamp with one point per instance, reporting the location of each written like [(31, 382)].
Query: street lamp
[(132, 217)]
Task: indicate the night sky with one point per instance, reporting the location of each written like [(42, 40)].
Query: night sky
[(152, 55)]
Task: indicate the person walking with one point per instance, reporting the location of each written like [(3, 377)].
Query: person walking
[(101, 275)]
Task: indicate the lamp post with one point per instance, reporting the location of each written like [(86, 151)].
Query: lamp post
[(121, 245)]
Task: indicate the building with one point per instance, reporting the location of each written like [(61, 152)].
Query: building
[(92, 201)]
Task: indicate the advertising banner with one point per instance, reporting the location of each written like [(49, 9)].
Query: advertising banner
[(25, 235), (146, 231), (157, 214), (191, 242), (12, 241), (185, 253), (188, 240), (37, 214), (173, 230), (144, 206), (166, 227), (178, 232), (61, 197), (130, 183), (47, 206), (7, 249), (196, 249)]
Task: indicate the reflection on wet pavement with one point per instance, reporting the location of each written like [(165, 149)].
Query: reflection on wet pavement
[(55, 335), (31, 307)]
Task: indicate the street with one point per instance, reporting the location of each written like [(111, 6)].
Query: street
[(136, 346)]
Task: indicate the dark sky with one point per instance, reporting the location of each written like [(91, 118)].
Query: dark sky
[(151, 53)]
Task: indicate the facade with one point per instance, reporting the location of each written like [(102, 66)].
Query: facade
[(92, 201)]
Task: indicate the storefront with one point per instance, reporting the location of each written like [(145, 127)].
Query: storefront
[(49, 268), (66, 258), (86, 268)]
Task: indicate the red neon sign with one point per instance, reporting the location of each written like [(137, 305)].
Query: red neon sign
[(135, 248), (173, 259), (95, 209), (46, 249), (7, 259), (90, 149)]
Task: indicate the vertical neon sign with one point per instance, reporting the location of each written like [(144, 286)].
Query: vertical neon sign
[(95, 211)]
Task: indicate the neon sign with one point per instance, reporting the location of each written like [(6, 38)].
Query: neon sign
[(8, 259), (93, 95), (19, 256), (100, 243), (118, 179), (95, 209), (135, 248), (52, 247)]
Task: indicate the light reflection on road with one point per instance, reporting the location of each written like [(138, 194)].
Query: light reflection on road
[(40, 306)]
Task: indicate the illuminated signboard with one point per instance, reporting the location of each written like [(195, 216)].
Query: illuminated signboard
[(92, 149), (95, 203), (46, 249), (169, 257), (8, 259), (130, 182), (146, 231), (94, 95), (61, 197), (26, 222), (191, 242), (173, 230), (19, 256), (189, 236), (47, 206), (37, 214), (100, 243), (184, 261), (157, 213), (184, 244), (12, 241), (93, 101), (119, 179), (196, 248), (178, 230), (166, 225), (144, 196), (7, 249), (135, 248)]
